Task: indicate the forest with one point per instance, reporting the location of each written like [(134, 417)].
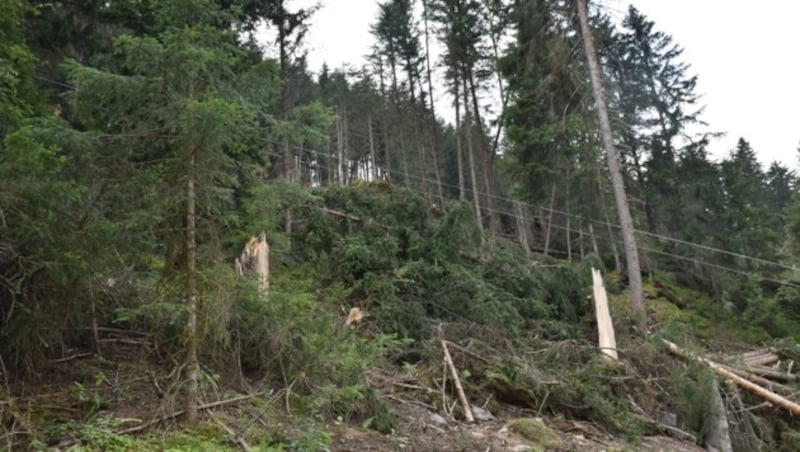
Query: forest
[(204, 245)]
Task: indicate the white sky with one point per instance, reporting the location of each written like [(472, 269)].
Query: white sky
[(749, 76)]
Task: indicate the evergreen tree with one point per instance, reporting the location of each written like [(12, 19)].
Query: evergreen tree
[(746, 227), (174, 92), (655, 101)]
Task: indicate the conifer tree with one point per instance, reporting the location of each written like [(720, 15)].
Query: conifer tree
[(173, 92)]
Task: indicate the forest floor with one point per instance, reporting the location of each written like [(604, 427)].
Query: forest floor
[(562, 396), (89, 402)]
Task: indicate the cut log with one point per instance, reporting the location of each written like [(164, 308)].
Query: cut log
[(770, 373), (605, 328), (755, 353), (764, 359), (764, 393), (769, 384)]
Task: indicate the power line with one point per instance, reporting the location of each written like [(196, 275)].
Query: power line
[(582, 218)]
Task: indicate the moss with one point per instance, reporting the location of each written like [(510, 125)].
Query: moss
[(534, 429)]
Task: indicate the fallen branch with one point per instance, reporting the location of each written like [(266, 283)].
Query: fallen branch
[(348, 216), (179, 413), (118, 340), (457, 382), (238, 438), (469, 352), (71, 357), (766, 394)]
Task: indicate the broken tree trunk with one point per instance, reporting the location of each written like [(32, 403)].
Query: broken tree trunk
[(605, 327), (765, 394), (255, 256), (457, 383), (718, 438)]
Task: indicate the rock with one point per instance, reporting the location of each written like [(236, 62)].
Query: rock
[(436, 419), (482, 414), (667, 418), (536, 431)]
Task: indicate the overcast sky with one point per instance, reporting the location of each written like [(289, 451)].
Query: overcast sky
[(744, 55)]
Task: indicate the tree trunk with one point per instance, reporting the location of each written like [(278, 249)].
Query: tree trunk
[(494, 220), (399, 122), (339, 149), (522, 227), (192, 364), (594, 241), (549, 221), (459, 151), (434, 126), (473, 176), (629, 240), (385, 126), (373, 167)]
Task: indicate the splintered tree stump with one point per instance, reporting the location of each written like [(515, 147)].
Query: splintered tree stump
[(605, 328), (255, 257)]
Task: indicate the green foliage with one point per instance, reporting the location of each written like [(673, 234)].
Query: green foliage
[(691, 386)]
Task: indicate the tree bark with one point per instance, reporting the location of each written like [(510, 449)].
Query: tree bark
[(192, 364), (629, 240), (459, 150), (373, 167), (434, 126), (549, 221), (494, 220), (473, 175)]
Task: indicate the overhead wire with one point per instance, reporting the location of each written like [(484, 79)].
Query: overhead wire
[(583, 218)]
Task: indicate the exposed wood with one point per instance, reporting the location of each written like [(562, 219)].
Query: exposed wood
[(764, 393), (769, 384), (755, 353), (620, 197), (355, 316), (763, 360), (762, 357), (457, 382), (605, 327), (255, 257)]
